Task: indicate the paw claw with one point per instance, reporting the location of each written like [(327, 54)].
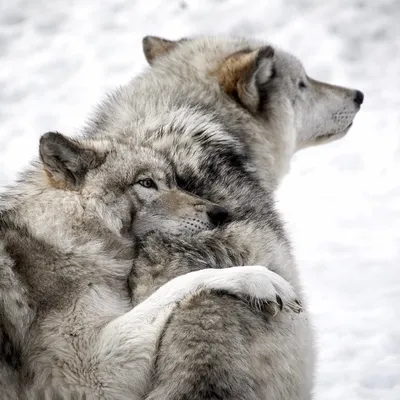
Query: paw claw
[(270, 292), (279, 301), (295, 306), (275, 308)]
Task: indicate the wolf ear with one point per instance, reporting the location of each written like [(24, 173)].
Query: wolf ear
[(243, 74), (154, 47), (65, 161)]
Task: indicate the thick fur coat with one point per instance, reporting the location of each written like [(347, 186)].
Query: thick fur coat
[(227, 114), (230, 113)]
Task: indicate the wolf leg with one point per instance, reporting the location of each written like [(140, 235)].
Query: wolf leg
[(216, 347), (125, 350)]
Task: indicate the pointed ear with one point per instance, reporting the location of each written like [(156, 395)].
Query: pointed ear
[(65, 161), (243, 75), (154, 47)]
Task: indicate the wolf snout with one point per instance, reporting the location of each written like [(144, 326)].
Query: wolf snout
[(358, 97), (217, 215)]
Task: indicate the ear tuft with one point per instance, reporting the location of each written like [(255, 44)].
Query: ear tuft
[(65, 161), (154, 47), (242, 74)]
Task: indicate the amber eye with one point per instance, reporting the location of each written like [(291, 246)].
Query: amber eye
[(147, 183)]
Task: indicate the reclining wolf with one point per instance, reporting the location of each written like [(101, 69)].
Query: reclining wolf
[(230, 113)]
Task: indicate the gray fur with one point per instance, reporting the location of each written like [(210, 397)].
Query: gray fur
[(230, 114), (68, 236)]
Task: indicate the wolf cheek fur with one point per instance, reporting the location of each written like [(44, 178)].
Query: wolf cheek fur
[(230, 113)]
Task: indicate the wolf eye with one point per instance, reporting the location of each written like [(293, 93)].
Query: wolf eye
[(147, 183), (302, 85)]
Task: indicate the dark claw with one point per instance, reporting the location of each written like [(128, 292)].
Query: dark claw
[(280, 302)]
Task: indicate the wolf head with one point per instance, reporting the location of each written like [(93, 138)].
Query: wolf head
[(128, 189), (268, 84)]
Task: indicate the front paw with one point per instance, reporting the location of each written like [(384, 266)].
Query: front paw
[(268, 291)]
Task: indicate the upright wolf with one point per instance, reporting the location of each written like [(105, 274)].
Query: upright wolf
[(230, 113), (68, 231)]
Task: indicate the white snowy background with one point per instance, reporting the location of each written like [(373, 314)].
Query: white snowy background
[(341, 201)]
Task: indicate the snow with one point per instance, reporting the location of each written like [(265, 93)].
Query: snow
[(341, 201)]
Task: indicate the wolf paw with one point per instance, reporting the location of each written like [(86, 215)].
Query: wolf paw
[(258, 286), (266, 290)]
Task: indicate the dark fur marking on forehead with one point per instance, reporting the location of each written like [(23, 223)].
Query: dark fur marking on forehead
[(223, 167), (219, 163), (223, 164)]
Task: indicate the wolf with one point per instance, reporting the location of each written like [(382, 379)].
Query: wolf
[(68, 235), (229, 113)]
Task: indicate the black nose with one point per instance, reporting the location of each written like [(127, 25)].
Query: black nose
[(359, 97), (217, 215)]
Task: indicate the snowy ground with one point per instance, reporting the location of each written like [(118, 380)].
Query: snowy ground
[(342, 201)]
